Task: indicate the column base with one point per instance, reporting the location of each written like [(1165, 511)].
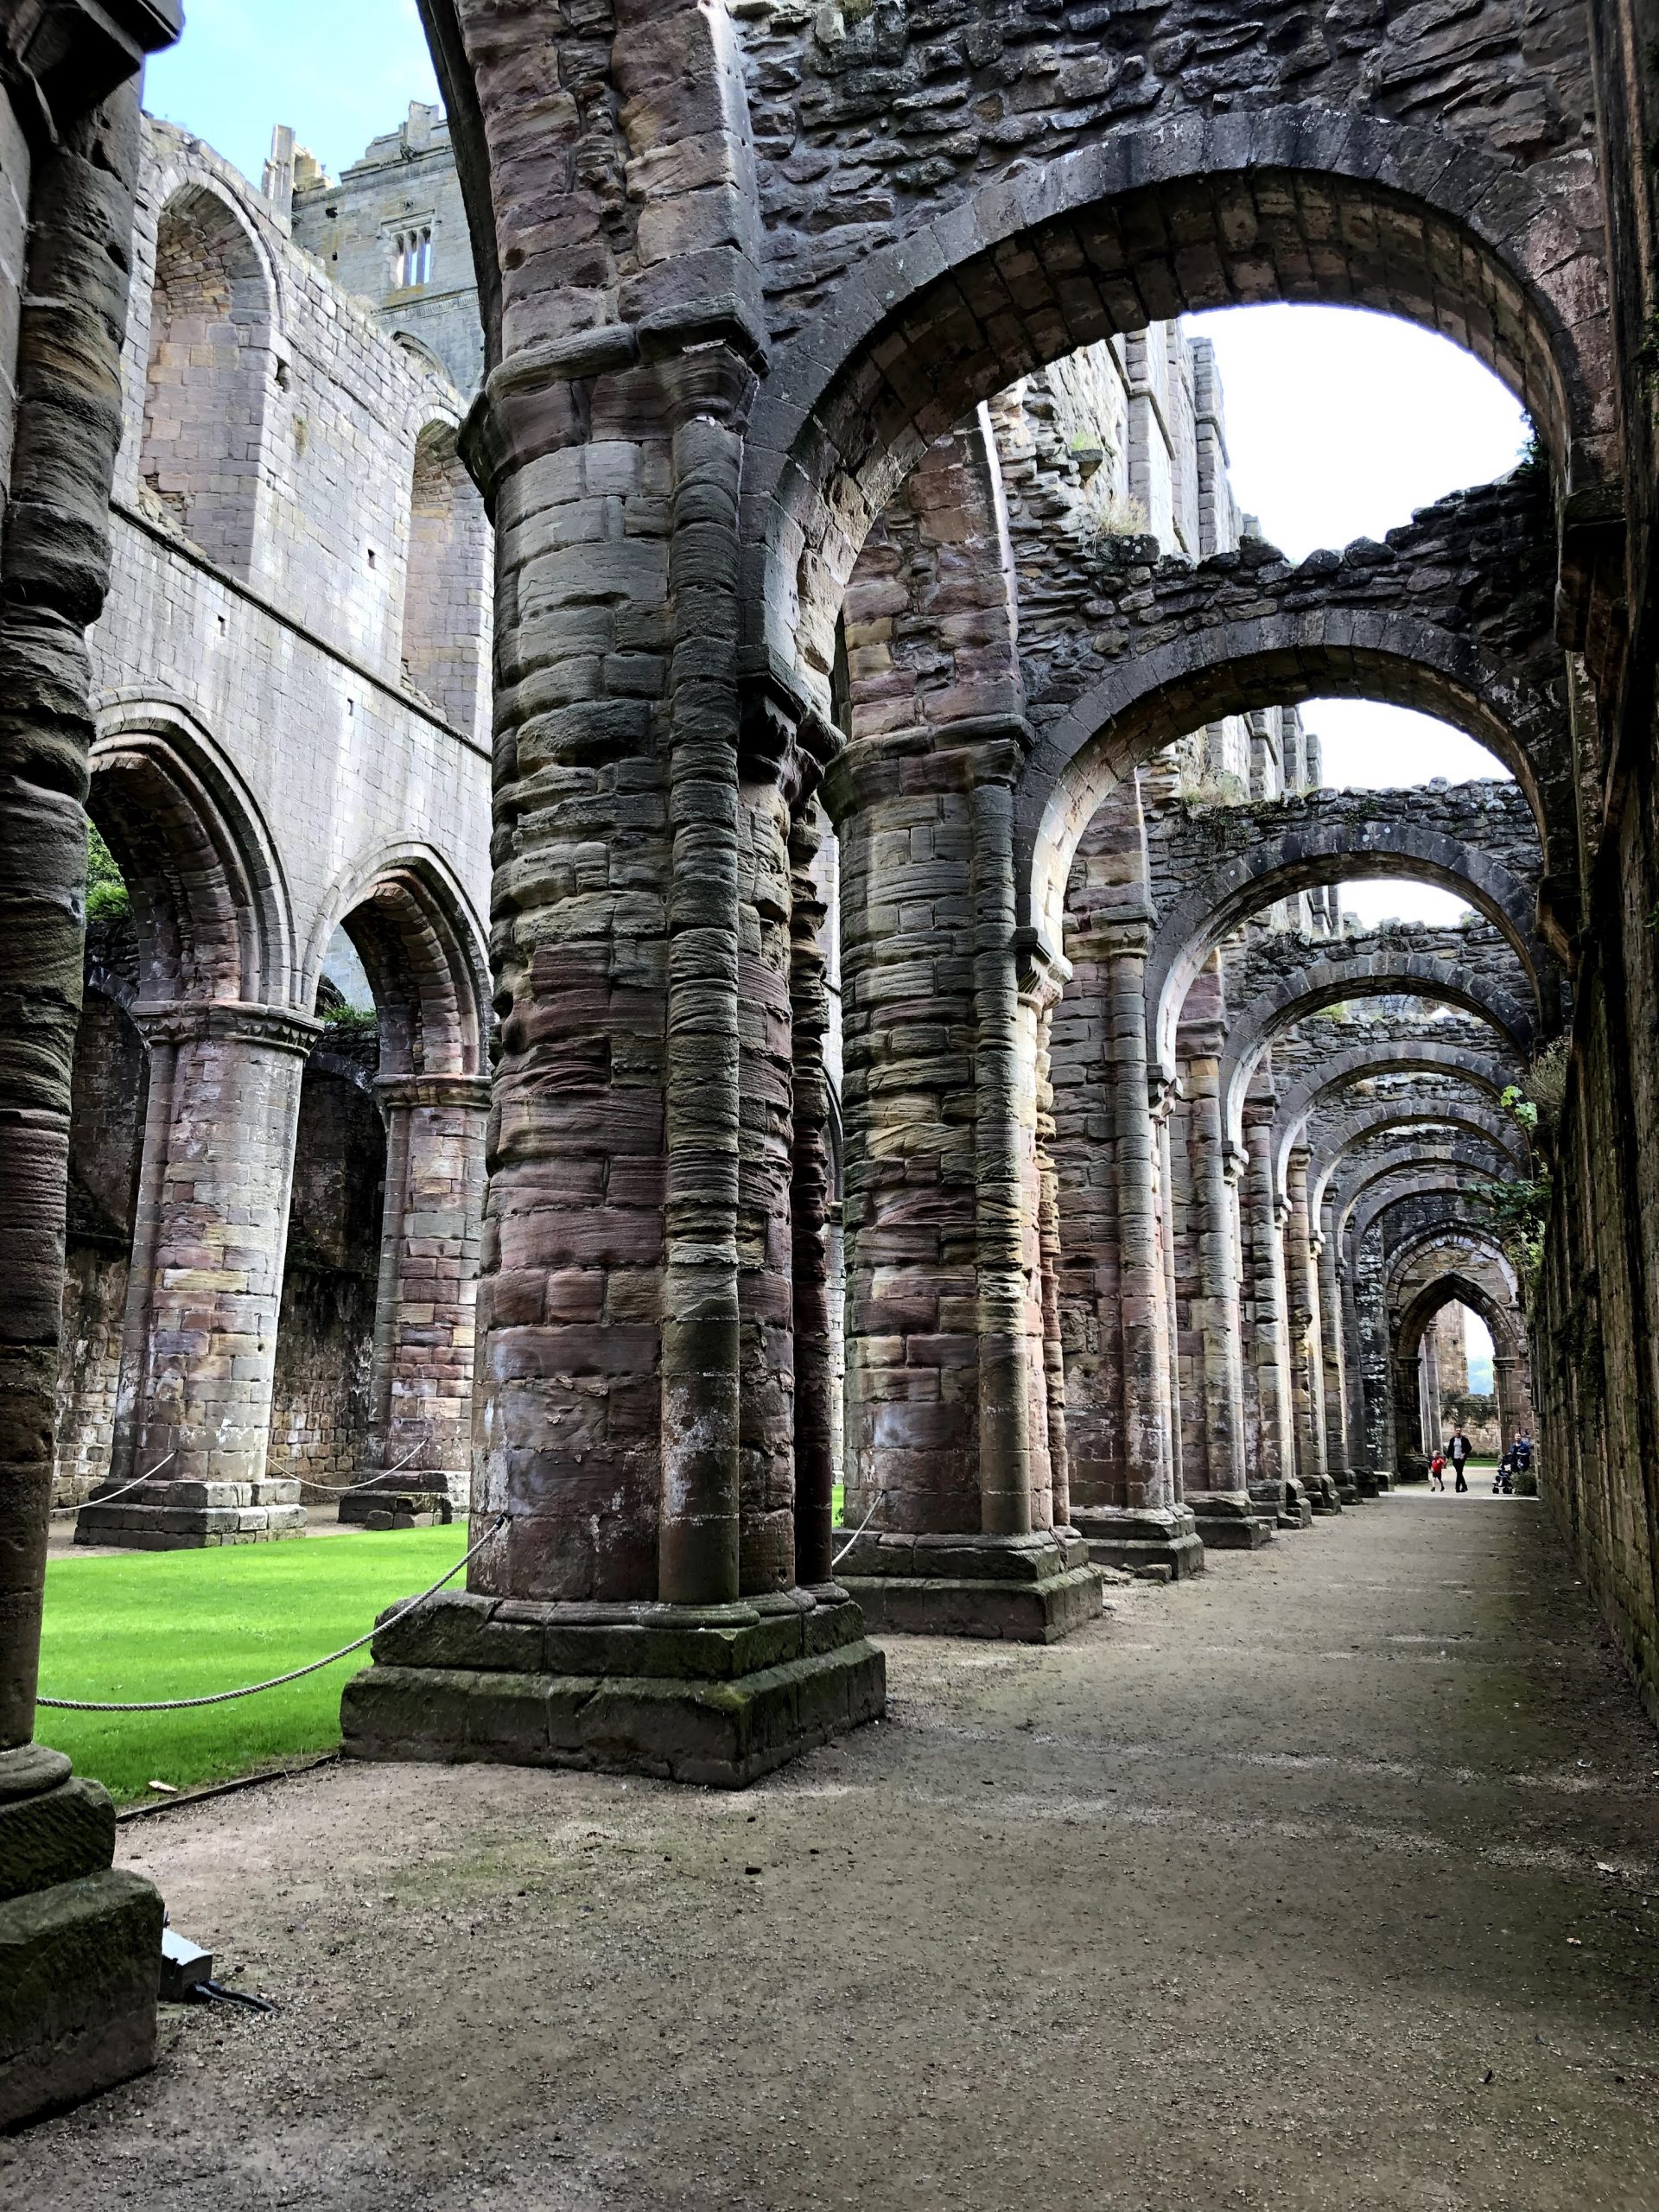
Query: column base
[(1228, 1521), (1384, 1483), (401, 1502), (1322, 1494), (80, 1945), (1032, 1589), (177, 1516), (1161, 1546), (1347, 1489), (719, 1696), (1297, 1510), (1368, 1482)]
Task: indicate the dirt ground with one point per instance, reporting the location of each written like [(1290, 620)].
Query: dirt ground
[(1327, 1882)]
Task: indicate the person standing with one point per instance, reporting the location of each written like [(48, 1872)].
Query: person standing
[(1458, 1452)]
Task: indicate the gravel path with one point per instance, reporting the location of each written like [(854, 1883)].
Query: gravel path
[(1327, 1882)]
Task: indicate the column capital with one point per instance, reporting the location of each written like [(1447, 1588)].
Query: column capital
[(432, 1090), (958, 755), (1043, 973), (185, 1021)]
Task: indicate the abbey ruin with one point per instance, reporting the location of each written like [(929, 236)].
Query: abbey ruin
[(717, 941)]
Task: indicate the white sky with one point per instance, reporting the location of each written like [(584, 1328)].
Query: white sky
[(1340, 424)]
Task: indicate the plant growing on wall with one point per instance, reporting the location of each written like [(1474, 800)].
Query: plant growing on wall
[(106, 887)]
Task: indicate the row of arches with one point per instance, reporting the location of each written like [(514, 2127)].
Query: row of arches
[(271, 1286)]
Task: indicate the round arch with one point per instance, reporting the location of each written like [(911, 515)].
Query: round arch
[(414, 930), (1436, 1175), (1470, 1160), (1323, 984), (1078, 248), (1370, 1063), (210, 904), (1476, 1121), (1301, 861)]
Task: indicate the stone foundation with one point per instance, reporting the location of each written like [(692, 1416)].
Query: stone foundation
[(1031, 1589), (1228, 1521), (1165, 1545), (719, 1696), (1296, 1510), (191, 1516), (80, 1945)]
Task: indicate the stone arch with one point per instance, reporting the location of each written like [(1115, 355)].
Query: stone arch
[(1365, 1063), (208, 377), (1405, 1113), (448, 608), (1304, 859), (1185, 213), (1280, 659), (209, 902), (421, 948), (1331, 982), (1444, 1170), (1407, 1327)]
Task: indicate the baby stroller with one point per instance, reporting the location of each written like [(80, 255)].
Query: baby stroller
[(1503, 1480)]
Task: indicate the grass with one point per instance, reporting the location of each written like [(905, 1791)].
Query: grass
[(156, 1624)]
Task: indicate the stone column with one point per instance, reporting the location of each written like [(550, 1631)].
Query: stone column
[(1163, 1099), (1048, 1233), (947, 1435), (80, 1940), (210, 1235), (810, 1201), (1130, 1509), (634, 1298), (1334, 1370), (1368, 1478), (420, 1443), (1228, 1514), (1308, 1357), (1272, 1345)]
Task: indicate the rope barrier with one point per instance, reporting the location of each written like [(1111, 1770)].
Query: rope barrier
[(857, 1532), (385, 1474), (277, 1681), (110, 1496)]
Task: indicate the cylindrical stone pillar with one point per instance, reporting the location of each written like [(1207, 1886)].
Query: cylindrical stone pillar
[(199, 1338), (1334, 1374), (1005, 1366), (1219, 1320), (1303, 1286), (425, 1308), (1361, 1456), (1271, 1349), (810, 1198)]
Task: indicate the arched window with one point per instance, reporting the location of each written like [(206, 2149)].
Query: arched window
[(447, 607), (209, 360)]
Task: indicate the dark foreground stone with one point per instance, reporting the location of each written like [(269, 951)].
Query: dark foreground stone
[(719, 1696), (79, 1967)]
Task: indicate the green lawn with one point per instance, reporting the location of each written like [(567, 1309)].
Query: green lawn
[(156, 1624)]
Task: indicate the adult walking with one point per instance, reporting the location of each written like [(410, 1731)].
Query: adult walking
[(1457, 1452)]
